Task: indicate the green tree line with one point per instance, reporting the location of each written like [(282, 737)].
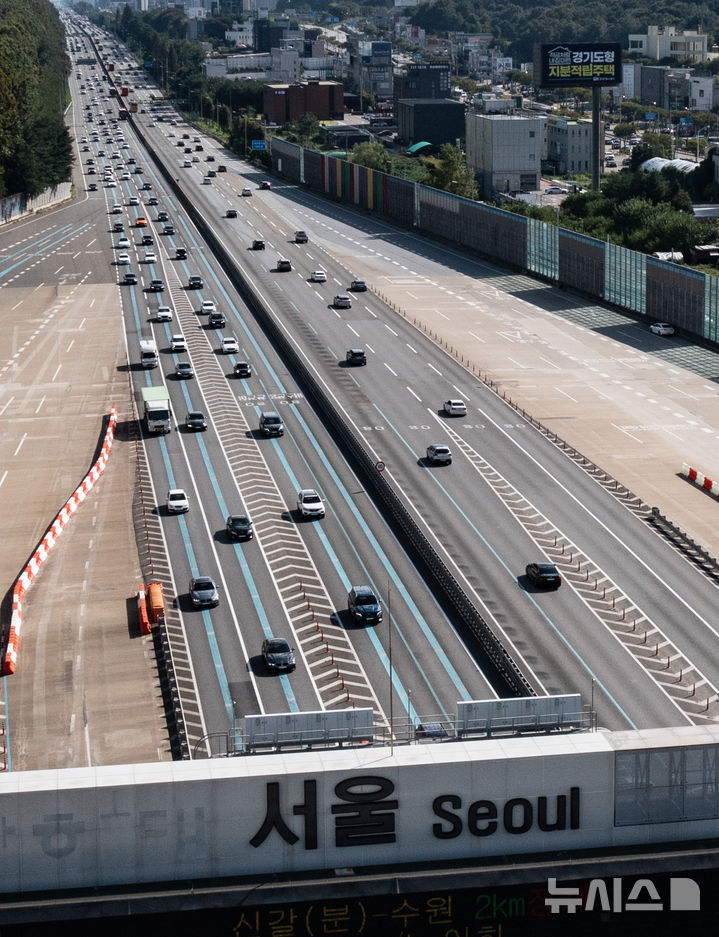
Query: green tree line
[(518, 24), (35, 144)]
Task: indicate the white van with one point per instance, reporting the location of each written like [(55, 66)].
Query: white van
[(148, 353)]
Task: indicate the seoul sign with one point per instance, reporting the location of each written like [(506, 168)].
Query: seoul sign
[(577, 64)]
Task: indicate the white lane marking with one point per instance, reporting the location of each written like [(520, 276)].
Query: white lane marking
[(560, 391), (4, 476), (24, 437), (635, 438), (582, 507), (477, 337), (390, 369), (57, 371), (42, 401), (391, 330)]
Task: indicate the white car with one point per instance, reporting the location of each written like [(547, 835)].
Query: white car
[(555, 190), (455, 407), (125, 175), (207, 181), (207, 306), (178, 343), (123, 243), (342, 301), (177, 502), (661, 328), (123, 257), (247, 192), (229, 346), (134, 200), (164, 314), (150, 257), (111, 184), (318, 276), (309, 503)]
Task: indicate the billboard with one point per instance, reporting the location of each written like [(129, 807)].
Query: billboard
[(577, 64)]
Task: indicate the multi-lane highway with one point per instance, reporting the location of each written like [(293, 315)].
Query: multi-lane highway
[(631, 628)]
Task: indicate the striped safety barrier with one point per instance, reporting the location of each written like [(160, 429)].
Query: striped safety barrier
[(699, 479), (42, 551)]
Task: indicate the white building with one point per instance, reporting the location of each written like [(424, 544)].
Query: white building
[(241, 34), (569, 144), (665, 42), (505, 152), (701, 91)]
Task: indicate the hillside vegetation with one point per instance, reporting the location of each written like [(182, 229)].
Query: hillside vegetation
[(518, 24), (35, 145)]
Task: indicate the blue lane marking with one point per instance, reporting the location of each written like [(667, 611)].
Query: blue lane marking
[(247, 575), (206, 617), (513, 576), (393, 575)]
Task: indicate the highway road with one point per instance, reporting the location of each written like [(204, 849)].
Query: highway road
[(631, 628)]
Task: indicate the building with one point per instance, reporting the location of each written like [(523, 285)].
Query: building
[(569, 144), (701, 92), (282, 103), (241, 34), (270, 33), (505, 152), (665, 87), (666, 42), (426, 80), (371, 67), (435, 120)]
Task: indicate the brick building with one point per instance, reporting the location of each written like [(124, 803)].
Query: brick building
[(282, 103)]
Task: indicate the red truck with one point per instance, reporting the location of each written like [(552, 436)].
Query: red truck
[(124, 91)]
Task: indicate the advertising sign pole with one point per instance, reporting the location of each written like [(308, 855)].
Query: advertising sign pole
[(596, 134)]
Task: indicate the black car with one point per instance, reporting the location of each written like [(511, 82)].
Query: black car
[(180, 253), (243, 369), (130, 278), (146, 240), (265, 185), (203, 592), (163, 216), (146, 186), (92, 187), (277, 655), (156, 286), (118, 226), (184, 369), (258, 245), (195, 420), (356, 356), (195, 283), (363, 605), (544, 574), (231, 213), (222, 168), (239, 527), (210, 159), (358, 286), (153, 200), (216, 320)]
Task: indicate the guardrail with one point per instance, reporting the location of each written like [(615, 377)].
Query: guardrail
[(506, 678)]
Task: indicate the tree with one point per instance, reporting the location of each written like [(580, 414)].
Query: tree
[(450, 173), (372, 155)]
